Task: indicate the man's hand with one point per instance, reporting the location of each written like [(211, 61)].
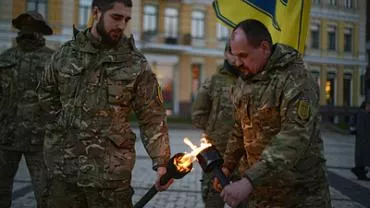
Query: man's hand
[(237, 192), (160, 172), (216, 183)]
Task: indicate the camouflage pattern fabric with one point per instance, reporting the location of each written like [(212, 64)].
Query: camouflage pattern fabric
[(78, 197), (90, 91), (212, 111), (21, 68), (277, 125), (21, 121)]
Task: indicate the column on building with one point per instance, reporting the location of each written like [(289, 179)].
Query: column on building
[(184, 89)]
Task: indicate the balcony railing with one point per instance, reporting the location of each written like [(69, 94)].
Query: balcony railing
[(160, 38)]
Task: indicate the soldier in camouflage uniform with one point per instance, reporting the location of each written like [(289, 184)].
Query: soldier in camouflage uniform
[(89, 90), (21, 123), (277, 126), (212, 112)]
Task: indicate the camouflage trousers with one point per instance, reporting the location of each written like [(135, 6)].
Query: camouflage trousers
[(62, 194), (210, 196), (9, 161)]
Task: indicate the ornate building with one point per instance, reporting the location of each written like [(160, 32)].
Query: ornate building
[(184, 43)]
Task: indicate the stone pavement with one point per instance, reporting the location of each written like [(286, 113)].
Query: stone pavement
[(346, 191)]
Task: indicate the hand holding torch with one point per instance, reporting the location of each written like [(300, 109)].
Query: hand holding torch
[(177, 167)]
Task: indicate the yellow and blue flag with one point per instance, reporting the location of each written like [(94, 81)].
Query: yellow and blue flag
[(287, 20)]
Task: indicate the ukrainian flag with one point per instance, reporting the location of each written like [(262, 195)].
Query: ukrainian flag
[(287, 20)]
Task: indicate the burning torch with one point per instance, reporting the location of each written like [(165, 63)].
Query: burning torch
[(210, 160), (177, 167)]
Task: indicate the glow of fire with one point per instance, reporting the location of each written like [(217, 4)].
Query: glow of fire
[(182, 164)]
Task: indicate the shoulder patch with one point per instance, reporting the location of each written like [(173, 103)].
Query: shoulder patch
[(159, 94), (303, 108)]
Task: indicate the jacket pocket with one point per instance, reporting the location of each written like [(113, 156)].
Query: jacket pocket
[(69, 79), (120, 87), (120, 157)]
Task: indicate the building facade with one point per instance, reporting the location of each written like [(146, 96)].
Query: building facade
[(184, 43), (335, 50)]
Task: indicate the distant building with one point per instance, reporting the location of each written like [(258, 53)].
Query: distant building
[(184, 43), (335, 50)]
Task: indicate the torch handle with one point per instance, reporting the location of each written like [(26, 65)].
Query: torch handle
[(217, 172), (147, 197), (165, 178), (152, 191), (224, 181)]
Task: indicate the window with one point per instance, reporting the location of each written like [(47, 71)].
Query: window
[(347, 89), (316, 1), (38, 5), (332, 39), (315, 36), (197, 24), (330, 89), (150, 19), (333, 2), (84, 12), (348, 4), (347, 39), (171, 21), (222, 32)]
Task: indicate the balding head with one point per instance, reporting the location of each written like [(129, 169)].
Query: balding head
[(251, 45)]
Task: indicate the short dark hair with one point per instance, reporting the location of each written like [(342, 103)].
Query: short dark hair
[(105, 5), (255, 31)]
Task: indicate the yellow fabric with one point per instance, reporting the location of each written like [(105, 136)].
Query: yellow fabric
[(90, 21), (287, 20)]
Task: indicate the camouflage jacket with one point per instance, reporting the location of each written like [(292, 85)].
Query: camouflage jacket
[(277, 125), (212, 110), (91, 92), (20, 116)]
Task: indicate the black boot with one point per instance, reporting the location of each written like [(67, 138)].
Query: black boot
[(360, 173)]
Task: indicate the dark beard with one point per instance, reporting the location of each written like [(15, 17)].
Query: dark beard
[(105, 38)]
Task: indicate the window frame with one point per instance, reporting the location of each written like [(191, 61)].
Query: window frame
[(222, 32), (86, 10), (171, 32), (37, 7), (152, 18), (315, 28), (198, 29), (350, 79), (332, 29), (348, 4), (348, 31)]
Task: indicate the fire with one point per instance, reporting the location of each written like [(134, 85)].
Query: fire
[(182, 164)]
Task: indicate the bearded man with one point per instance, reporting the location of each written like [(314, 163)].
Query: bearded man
[(88, 91)]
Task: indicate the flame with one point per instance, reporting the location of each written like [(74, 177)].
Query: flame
[(183, 163)]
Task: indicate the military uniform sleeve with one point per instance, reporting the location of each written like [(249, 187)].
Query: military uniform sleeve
[(235, 144), (299, 116), (7, 61), (202, 106), (47, 89), (150, 111)]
